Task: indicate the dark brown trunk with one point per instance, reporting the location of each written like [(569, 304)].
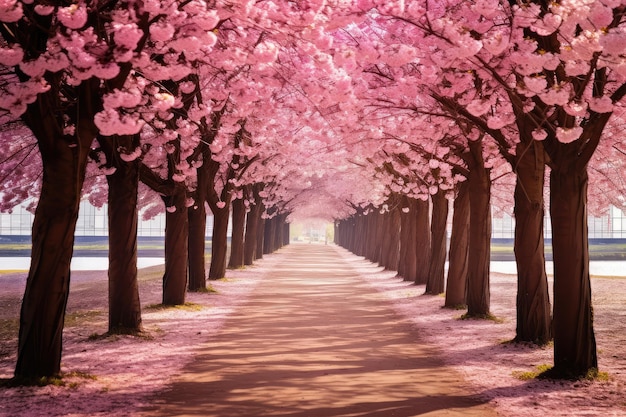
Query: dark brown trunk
[(269, 233), (42, 313), (197, 247), (404, 237), (391, 240), (478, 297), (422, 241), (176, 245), (370, 236), (574, 339), (456, 286), (260, 238), (124, 304), (438, 240), (219, 243), (410, 260), (238, 230), (250, 242), (287, 232), (534, 321)]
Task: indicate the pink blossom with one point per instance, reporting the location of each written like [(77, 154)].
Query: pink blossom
[(170, 209), (106, 71), (10, 11), (496, 43), (221, 205), (178, 177), (108, 170), (535, 84), (131, 156), (576, 108), (576, 67), (479, 107), (162, 31), (555, 96), (44, 10), (163, 101), (600, 15), (613, 42), (109, 122), (539, 134), (601, 104), (548, 25), (127, 35), (265, 52), (566, 135), (73, 16), (499, 121), (487, 8), (11, 56), (122, 98)]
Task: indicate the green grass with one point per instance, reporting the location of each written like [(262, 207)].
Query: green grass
[(80, 317), (528, 375), (9, 328), (57, 381), (488, 316), (186, 306)]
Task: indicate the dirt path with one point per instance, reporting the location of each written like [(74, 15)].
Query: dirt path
[(314, 340)]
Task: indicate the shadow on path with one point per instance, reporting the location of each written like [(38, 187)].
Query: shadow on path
[(314, 340)]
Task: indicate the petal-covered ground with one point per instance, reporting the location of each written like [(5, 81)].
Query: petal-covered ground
[(119, 375)]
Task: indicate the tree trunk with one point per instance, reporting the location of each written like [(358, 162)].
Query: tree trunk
[(438, 238), (422, 241), (237, 240), (391, 239), (64, 160), (176, 250), (42, 313), (410, 259), (478, 297), (260, 237), (534, 320), (219, 243), (124, 304), (269, 233), (404, 237), (574, 339), (250, 241), (197, 246), (456, 286)]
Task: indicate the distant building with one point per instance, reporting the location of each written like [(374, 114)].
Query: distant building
[(92, 221)]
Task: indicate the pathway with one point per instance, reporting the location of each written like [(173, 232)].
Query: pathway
[(315, 340)]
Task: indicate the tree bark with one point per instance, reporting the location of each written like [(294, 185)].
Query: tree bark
[(391, 240), (574, 339), (237, 240), (176, 250), (410, 223), (438, 238), (197, 246), (124, 304), (269, 233), (260, 236), (250, 241), (456, 286), (47, 285), (534, 321), (219, 243), (64, 161), (422, 241), (478, 297)]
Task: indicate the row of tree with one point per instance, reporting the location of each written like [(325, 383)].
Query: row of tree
[(318, 109)]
